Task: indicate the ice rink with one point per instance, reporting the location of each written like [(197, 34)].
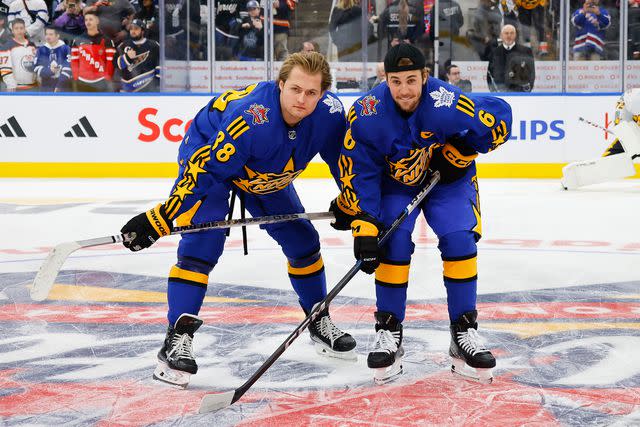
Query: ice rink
[(559, 306)]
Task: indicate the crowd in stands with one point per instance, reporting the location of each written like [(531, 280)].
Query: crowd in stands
[(113, 45), (69, 45)]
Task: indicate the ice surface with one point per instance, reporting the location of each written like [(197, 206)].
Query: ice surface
[(559, 304)]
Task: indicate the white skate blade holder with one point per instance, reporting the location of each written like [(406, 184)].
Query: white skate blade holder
[(324, 350), (390, 373), (480, 375), (171, 376)]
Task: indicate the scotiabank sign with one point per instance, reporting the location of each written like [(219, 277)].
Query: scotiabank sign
[(148, 129), (172, 129)]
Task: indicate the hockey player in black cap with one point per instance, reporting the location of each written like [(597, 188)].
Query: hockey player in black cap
[(139, 61), (399, 131)]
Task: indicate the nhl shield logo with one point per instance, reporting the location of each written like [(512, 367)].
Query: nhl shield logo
[(292, 135), (368, 104), (259, 113)]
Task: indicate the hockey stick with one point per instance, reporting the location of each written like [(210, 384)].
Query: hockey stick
[(595, 125), (212, 402), (58, 255)]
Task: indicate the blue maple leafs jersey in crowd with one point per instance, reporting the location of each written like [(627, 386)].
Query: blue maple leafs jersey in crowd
[(241, 138), (385, 147)]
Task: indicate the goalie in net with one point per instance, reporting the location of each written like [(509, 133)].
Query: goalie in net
[(617, 160)]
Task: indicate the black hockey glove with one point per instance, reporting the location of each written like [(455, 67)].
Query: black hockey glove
[(365, 243), (452, 160), (343, 220), (148, 226)]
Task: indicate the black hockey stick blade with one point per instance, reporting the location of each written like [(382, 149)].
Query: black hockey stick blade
[(212, 402)]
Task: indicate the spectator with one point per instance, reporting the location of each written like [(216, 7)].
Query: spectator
[(139, 61), (379, 77), (35, 16), (634, 30), (17, 58), (71, 21), (531, 13), (149, 14), (454, 78), (52, 66), (175, 27), (401, 22), (114, 15), (345, 28), (590, 21), (509, 10), (450, 21), (281, 23), (5, 36), (310, 46), (511, 66), (92, 58), (252, 34), (485, 31), (227, 28)]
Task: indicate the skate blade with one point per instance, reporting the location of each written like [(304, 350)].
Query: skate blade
[(170, 376), (324, 350), (479, 375), (390, 373)]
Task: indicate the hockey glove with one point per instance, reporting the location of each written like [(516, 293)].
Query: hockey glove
[(148, 226), (452, 160), (365, 243), (343, 220)]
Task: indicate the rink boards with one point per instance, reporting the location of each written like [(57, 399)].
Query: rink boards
[(138, 136)]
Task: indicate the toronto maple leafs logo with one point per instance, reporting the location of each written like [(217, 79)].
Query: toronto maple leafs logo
[(335, 106), (368, 104), (443, 97), (259, 113)]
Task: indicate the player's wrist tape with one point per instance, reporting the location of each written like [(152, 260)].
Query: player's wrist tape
[(158, 222), (455, 157), (363, 228)]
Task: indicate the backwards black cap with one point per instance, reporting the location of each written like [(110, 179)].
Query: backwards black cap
[(403, 51)]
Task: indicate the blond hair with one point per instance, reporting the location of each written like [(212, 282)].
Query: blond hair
[(310, 63)]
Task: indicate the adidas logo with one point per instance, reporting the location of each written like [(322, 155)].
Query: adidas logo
[(12, 129), (82, 129)]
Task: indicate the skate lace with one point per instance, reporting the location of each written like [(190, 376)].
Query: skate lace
[(182, 346), (328, 329), (471, 342), (386, 341)]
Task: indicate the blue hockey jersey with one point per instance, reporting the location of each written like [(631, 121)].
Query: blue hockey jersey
[(385, 147), (58, 56), (241, 139)]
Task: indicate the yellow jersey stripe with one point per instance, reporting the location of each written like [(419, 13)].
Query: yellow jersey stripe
[(178, 273), (466, 100), (304, 271), (239, 132), (465, 110), (235, 124), (393, 274), (463, 269)]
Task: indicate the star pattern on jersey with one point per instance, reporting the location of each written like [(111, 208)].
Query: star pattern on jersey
[(334, 104), (442, 97), (194, 170)]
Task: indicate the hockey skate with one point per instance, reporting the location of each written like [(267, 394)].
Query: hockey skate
[(386, 357), (176, 362), (470, 358), (329, 340)]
